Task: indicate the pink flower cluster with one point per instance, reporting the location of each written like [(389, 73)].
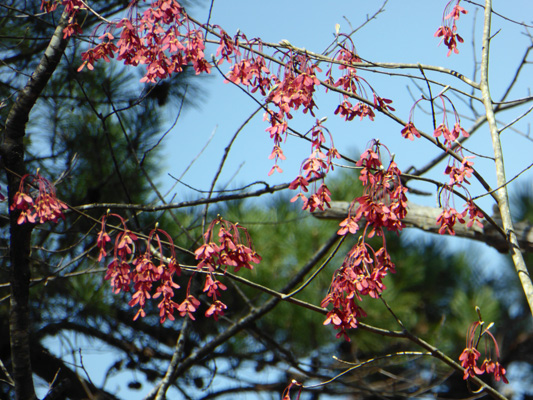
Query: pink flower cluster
[(383, 205), (353, 83), (234, 248), (142, 269), (292, 88), (448, 30), (250, 71), (149, 269), (231, 248), (459, 172), (39, 207), (162, 38), (316, 166), (450, 136), (470, 355)]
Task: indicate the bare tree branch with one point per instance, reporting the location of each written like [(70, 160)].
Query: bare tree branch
[(501, 194), (69, 383), (424, 218)]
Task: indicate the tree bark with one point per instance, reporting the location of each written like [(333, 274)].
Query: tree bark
[(425, 218), (12, 153)]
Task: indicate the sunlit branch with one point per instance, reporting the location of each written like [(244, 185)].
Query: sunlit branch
[(514, 121), (100, 17), (198, 202), (284, 44), (355, 30), (500, 15), (362, 364), (501, 194), (506, 183), (424, 218)]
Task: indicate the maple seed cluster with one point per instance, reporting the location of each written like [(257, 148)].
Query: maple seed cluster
[(160, 38), (470, 355), (38, 206), (149, 269), (315, 167), (448, 30), (288, 90), (382, 205), (458, 171), (130, 266), (231, 246), (351, 83)]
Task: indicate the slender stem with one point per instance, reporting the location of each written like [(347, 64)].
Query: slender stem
[(176, 357), (502, 193)]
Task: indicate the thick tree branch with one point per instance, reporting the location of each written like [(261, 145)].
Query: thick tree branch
[(501, 193), (12, 152), (424, 218)]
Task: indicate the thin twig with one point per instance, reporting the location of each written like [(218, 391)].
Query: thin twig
[(223, 161), (176, 357)]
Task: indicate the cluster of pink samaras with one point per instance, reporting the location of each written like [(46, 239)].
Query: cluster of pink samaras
[(470, 355), (383, 205), (39, 205), (226, 245)]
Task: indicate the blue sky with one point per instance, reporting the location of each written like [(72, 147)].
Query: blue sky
[(403, 33)]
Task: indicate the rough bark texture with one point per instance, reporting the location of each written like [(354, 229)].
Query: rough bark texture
[(425, 218), (12, 152)]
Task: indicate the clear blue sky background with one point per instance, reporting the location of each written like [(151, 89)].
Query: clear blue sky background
[(403, 33)]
